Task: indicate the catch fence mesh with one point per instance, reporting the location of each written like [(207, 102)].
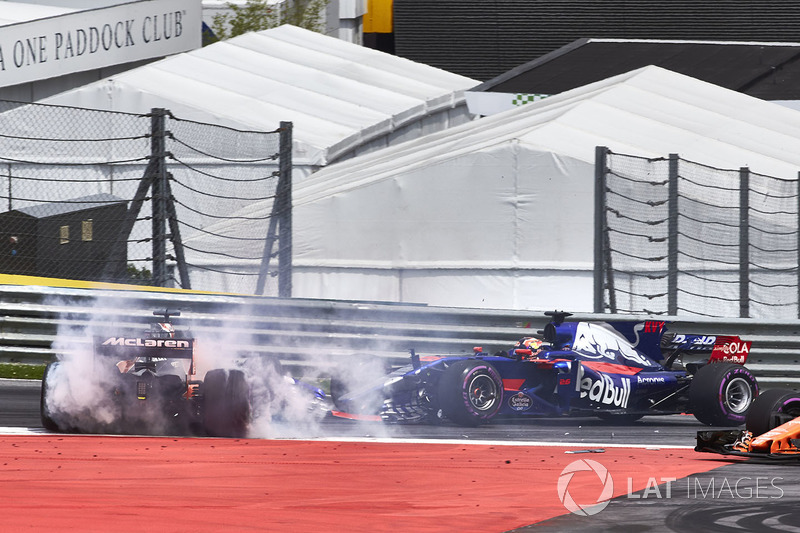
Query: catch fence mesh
[(680, 237), (70, 179)]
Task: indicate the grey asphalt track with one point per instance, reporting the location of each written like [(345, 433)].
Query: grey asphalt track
[(19, 407), (19, 403)]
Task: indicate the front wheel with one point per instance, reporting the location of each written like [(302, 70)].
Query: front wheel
[(470, 392), (721, 393), (771, 409)]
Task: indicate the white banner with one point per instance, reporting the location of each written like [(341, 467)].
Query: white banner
[(87, 40), (489, 103)]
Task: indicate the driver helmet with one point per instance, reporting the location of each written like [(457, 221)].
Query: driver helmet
[(162, 330), (528, 348)]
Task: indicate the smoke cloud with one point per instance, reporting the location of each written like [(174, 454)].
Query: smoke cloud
[(80, 386)]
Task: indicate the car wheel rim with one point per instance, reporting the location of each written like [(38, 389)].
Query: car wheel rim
[(482, 392), (738, 395)]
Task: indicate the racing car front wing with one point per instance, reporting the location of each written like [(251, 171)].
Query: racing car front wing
[(780, 443)]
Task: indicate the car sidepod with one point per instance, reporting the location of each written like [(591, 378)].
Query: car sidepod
[(536, 387), (600, 388)]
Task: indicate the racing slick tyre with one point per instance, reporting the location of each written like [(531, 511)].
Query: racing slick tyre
[(771, 409), (46, 413), (226, 399), (721, 393), (470, 392)]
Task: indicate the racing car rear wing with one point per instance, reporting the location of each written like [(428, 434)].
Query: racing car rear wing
[(730, 349), (722, 348), (132, 347)]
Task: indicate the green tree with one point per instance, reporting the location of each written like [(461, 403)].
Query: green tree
[(308, 14), (138, 276), (257, 15)]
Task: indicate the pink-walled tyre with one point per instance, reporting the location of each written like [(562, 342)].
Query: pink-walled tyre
[(470, 392), (721, 394)]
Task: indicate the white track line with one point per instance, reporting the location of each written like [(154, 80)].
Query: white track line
[(23, 431), (11, 431), (579, 445)]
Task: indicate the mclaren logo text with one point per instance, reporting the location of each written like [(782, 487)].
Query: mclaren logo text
[(165, 343)]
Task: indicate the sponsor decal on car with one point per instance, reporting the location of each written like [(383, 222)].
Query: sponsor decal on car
[(520, 402), (603, 390), (730, 350), (598, 341), (649, 380), (695, 340), (160, 343), (652, 326)]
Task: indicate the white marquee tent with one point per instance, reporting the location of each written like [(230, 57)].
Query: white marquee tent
[(342, 98), (499, 212)]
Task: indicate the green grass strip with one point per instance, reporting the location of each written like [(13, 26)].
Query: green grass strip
[(21, 371)]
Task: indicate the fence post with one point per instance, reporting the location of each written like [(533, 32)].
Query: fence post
[(266, 256), (672, 237), (600, 165), (284, 200), (10, 190), (744, 242), (159, 202)]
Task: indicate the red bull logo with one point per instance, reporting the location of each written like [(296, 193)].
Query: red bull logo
[(604, 390)]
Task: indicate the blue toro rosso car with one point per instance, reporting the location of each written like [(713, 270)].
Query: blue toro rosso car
[(613, 370)]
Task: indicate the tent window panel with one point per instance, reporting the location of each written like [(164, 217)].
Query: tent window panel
[(86, 230), (64, 234)]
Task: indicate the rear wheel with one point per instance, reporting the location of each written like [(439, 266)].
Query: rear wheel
[(226, 399), (771, 409), (470, 392), (721, 393), (45, 410)]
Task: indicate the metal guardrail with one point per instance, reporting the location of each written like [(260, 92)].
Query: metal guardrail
[(307, 332)]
